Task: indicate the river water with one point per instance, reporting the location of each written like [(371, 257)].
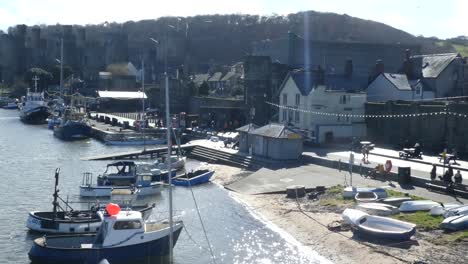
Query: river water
[(28, 158)]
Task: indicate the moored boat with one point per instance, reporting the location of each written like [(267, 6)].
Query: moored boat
[(377, 226), (11, 106), (72, 126), (122, 236), (33, 109), (193, 178), (64, 219)]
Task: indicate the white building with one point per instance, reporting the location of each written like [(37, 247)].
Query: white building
[(325, 114), (392, 87)]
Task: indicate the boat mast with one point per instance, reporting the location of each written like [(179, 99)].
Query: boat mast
[(35, 79), (168, 160), (55, 203), (143, 117)]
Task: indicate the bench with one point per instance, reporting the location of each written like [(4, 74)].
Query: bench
[(458, 189)]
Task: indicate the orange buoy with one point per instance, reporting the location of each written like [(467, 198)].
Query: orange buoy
[(112, 208)]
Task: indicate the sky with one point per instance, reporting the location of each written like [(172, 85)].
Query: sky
[(443, 19)]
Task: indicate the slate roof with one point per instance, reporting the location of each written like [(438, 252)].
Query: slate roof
[(216, 77), (200, 78), (400, 81), (306, 80), (230, 75), (432, 65), (273, 130), (247, 128), (122, 69)]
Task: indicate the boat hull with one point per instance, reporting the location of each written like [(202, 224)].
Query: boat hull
[(135, 142), (105, 191), (203, 178), (155, 249), (35, 116), (72, 130)]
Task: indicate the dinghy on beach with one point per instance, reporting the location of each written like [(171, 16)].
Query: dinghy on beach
[(455, 223), (350, 192), (378, 208), (377, 226), (395, 201), (420, 205), (366, 197), (442, 208), (460, 210)]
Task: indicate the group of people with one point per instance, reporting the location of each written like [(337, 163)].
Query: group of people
[(447, 177)]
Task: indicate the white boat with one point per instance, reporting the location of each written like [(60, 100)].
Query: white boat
[(419, 205), (442, 208), (395, 201), (123, 237), (460, 210), (455, 223), (350, 192), (377, 226), (63, 219), (378, 208), (364, 197), (91, 190)]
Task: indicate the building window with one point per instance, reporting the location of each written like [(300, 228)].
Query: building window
[(298, 99), (285, 99), (284, 115), (290, 116), (343, 99)]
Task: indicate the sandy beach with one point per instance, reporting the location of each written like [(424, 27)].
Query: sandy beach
[(319, 228)]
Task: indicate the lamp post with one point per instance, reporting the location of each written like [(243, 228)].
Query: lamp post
[(168, 159)]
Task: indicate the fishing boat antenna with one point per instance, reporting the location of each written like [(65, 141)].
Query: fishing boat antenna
[(55, 203)]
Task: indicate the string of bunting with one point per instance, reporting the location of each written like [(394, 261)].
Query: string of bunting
[(308, 111)]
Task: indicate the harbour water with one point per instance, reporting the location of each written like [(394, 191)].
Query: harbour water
[(30, 154)]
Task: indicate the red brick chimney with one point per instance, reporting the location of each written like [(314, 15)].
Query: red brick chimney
[(379, 67)]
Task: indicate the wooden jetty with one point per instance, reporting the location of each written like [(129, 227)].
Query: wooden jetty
[(139, 154)]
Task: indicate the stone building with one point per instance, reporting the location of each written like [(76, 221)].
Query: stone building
[(441, 73), (394, 86), (262, 80)]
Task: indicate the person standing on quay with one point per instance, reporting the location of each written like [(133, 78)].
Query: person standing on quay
[(433, 172)]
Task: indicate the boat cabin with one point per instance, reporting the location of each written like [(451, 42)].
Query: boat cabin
[(118, 227), (120, 173)]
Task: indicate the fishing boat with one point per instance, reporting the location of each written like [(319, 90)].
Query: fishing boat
[(350, 192), (64, 219), (365, 197), (455, 223), (420, 205), (33, 109), (73, 126), (378, 208), (122, 237), (377, 226), (193, 178)]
